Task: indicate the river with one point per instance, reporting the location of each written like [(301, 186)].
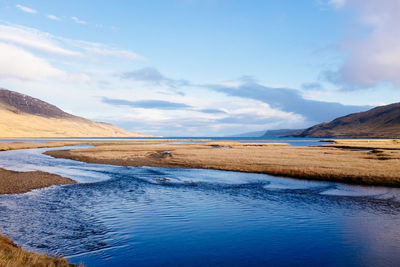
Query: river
[(145, 216)]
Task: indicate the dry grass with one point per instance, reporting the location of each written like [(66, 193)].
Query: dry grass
[(12, 256), (24, 145), (366, 144), (320, 163)]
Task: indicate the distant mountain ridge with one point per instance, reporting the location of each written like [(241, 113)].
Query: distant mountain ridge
[(267, 133), (279, 132), (25, 116), (249, 134), (379, 122)]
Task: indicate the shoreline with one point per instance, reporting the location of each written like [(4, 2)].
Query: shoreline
[(324, 163), (12, 182), (13, 255), (5, 146), (337, 162)]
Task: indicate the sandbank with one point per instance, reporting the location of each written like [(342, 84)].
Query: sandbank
[(327, 163)]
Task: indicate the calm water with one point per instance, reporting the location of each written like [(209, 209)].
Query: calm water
[(125, 216), (290, 141)]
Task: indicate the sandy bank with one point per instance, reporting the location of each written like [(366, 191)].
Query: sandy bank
[(317, 163), (24, 145), (12, 182)]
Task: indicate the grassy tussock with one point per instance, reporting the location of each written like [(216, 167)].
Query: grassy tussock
[(12, 256), (319, 163)]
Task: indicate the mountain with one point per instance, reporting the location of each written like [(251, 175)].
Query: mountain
[(379, 122), (268, 133), (279, 133), (249, 134), (25, 116)]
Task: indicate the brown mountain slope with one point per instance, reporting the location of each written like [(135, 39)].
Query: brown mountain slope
[(379, 122), (25, 116)]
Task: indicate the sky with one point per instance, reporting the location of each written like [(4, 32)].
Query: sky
[(203, 67)]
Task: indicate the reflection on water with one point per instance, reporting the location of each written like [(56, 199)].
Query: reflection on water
[(120, 216)]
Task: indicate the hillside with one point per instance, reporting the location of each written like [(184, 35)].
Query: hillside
[(249, 134), (279, 133), (25, 116), (379, 122)]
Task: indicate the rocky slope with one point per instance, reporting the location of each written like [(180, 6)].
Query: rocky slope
[(25, 116)]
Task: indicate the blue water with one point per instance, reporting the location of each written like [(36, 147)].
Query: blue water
[(127, 216), (182, 140)]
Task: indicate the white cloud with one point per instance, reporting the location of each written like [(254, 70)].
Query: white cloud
[(32, 38), (115, 52), (231, 84), (256, 109), (26, 9), (80, 78), (44, 42), (374, 57), (53, 17), (78, 20), (103, 50), (19, 64)]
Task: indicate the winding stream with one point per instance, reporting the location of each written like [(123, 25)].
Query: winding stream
[(130, 216)]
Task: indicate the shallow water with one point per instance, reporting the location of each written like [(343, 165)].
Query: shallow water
[(129, 216)]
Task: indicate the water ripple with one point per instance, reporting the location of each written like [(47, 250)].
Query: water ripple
[(152, 216)]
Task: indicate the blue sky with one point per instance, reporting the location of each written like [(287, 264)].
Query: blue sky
[(203, 67)]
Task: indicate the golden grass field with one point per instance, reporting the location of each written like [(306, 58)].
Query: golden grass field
[(329, 163), (366, 144)]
